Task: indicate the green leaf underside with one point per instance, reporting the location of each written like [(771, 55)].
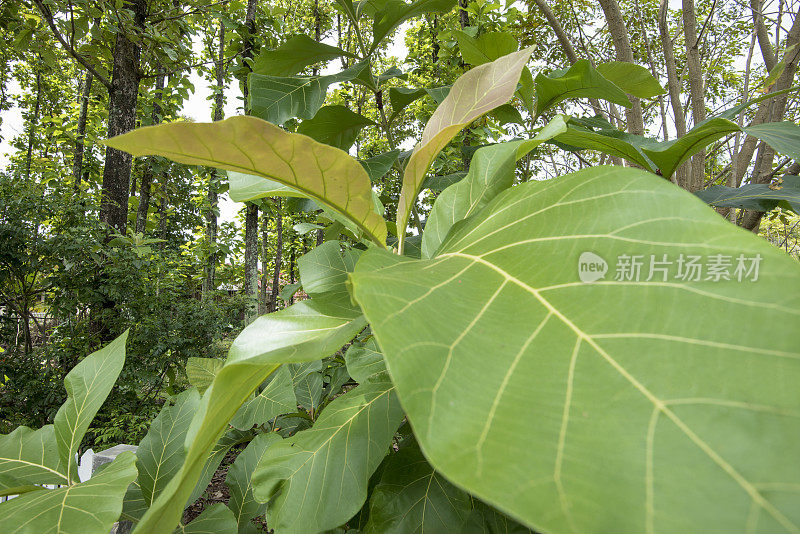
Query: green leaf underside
[(87, 385), (379, 165), (364, 360), (307, 330), (325, 268), (581, 80), (90, 507), (253, 146), (477, 92), (319, 476), (754, 196), (490, 172), (276, 398), (609, 142), (30, 457), (246, 187), (216, 519), (608, 399)]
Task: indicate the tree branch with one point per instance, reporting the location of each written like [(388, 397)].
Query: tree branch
[(48, 15)]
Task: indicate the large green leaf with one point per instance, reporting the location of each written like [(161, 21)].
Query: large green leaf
[(334, 125), (276, 398), (631, 78), (581, 80), (412, 497), (626, 405), (478, 91), (160, 454), (277, 98), (306, 331), (90, 507), (490, 172), (253, 146), (762, 197), (87, 385), (29, 457), (317, 479), (389, 14), (297, 53), (242, 503), (784, 137), (379, 165), (486, 47), (400, 97)]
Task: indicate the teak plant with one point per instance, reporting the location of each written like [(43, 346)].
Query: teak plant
[(593, 353)]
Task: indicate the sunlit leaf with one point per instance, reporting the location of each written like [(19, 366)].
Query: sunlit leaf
[(478, 91), (253, 146), (297, 53), (201, 371), (486, 47), (334, 125), (581, 80)]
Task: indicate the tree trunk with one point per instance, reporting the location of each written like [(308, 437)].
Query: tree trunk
[(147, 175), (34, 123), (696, 91), (292, 265), (622, 46), (212, 196), (80, 134), (463, 16), (276, 275), (263, 300), (251, 217), (121, 119), (561, 35), (674, 87)]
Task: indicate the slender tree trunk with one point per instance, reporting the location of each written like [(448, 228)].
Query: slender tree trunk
[(212, 196), (463, 16), (775, 110), (33, 124), (263, 300), (276, 274), (80, 134), (696, 90), (292, 264), (147, 174), (619, 34), (674, 88), (121, 119), (561, 35), (251, 217)]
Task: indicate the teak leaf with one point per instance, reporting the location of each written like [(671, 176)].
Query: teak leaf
[(631, 78), (276, 398), (319, 476), (760, 197), (253, 146), (308, 330), (239, 480), (334, 125), (607, 399), (88, 385), (477, 92), (581, 80), (297, 53)]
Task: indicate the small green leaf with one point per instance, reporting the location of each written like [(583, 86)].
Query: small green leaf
[(246, 187), (325, 268), (201, 371), (487, 47), (631, 78), (309, 392), (253, 146), (400, 97), (611, 142), (477, 92), (581, 80), (297, 53), (29, 457), (389, 14), (317, 479), (379, 165), (364, 360), (668, 155), (216, 519), (759, 197), (334, 125), (784, 137)]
